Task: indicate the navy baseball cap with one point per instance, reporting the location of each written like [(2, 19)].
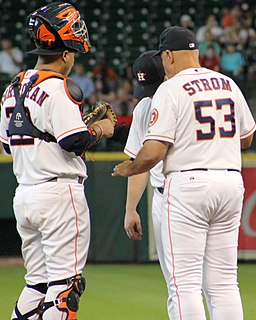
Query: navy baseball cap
[(177, 38), (149, 73)]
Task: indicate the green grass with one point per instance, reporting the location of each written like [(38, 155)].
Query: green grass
[(123, 292)]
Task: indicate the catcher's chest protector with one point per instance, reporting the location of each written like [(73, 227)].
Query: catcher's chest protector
[(20, 122)]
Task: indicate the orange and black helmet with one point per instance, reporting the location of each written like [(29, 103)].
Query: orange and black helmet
[(57, 27)]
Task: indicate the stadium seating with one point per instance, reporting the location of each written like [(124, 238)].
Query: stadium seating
[(120, 28)]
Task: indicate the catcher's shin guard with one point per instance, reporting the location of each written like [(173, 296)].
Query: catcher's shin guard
[(67, 301)]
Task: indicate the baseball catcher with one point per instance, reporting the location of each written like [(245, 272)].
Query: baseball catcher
[(42, 127)]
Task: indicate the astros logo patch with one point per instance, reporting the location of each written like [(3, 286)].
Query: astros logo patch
[(153, 117)]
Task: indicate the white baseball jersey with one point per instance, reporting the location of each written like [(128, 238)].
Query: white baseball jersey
[(38, 161), (138, 130), (204, 115)]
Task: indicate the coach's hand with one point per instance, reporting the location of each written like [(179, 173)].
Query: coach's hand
[(121, 169), (132, 225)]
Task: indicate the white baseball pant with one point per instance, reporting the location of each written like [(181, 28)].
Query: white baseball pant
[(53, 222), (200, 222), (157, 211)]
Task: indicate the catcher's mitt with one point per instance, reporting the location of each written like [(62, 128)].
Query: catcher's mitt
[(101, 110)]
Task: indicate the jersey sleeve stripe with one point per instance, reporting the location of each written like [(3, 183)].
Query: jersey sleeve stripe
[(3, 139), (72, 131), (129, 153), (245, 135), (159, 137)]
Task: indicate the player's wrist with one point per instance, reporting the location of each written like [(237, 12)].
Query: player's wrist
[(96, 131), (99, 131), (96, 134), (130, 210)]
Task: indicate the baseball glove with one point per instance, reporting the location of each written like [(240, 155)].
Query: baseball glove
[(101, 110)]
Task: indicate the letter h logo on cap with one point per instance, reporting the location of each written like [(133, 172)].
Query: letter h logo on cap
[(141, 76)]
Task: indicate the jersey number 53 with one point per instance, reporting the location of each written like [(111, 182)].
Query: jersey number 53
[(227, 117)]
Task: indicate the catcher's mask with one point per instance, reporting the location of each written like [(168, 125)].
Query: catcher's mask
[(57, 27)]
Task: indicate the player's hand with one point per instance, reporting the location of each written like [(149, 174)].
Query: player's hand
[(132, 225), (121, 169), (107, 127)]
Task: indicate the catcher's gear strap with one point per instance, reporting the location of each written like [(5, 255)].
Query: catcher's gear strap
[(73, 91), (42, 288), (68, 300), (38, 310), (20, 122)]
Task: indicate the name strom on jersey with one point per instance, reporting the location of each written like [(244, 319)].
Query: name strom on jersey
[(37, 95), (207, 85)]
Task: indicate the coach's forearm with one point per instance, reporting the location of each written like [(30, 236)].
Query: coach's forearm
[(140, 165), (150, 154)]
